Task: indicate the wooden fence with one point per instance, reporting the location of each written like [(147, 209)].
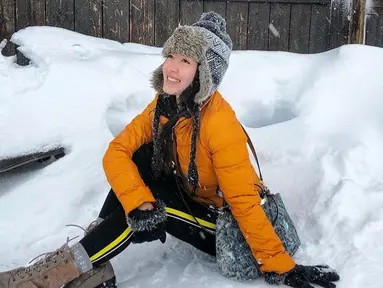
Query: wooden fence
[(374, 25), (302, 26)]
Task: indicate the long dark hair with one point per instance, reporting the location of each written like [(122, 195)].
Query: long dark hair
[(163, 159)]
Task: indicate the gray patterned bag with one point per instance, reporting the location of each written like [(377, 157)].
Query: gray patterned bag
[(234, 257)]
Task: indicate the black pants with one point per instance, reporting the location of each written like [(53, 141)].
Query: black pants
[(113, 235)]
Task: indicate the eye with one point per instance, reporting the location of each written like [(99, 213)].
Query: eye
[(185, 61), (169, 56)]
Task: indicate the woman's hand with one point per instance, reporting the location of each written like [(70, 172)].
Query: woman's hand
[(146, 206), (301, 277), (148, 222)]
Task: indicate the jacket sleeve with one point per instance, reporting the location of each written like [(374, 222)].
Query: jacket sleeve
[(236, 178), (120, 170)]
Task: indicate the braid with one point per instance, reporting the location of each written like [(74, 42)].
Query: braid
[(156, 144), (193, 177)]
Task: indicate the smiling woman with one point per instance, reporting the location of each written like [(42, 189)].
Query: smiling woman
[(179, 72), (173, 170)]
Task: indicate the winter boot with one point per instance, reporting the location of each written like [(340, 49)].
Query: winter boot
[(99, 277), (53, 271)]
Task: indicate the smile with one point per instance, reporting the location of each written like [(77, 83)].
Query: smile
[(173, 80)]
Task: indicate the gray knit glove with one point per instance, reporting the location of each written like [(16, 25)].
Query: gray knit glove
[(148, 225)]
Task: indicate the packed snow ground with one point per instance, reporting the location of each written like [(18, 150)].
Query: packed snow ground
[(315, 120)]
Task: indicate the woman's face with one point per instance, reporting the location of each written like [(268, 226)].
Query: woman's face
[(178, 73)]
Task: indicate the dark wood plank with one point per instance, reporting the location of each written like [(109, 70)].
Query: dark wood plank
[(285, 1), (116, 20), (357, 22), (38, 13), (87, 17), (378, 37), (377, 9), (166, 19), (371, 29), (258, 31), (29, 13), (7, 25), (300, 28), (319, 28), (142, 21), (339, 25), (60, 13), (279, 27), (190, 11), (23, 18), (237, 15), (216, 6), (372, 24)]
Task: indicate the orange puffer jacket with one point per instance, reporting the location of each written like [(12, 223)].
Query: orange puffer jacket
[(222, 160)]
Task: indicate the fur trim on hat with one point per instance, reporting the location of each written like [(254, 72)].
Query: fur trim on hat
[(189, 42), (208, 43)]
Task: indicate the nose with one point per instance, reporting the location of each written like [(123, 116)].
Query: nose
[(173, 68)]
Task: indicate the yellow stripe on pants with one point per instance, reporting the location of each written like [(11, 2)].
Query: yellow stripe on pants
[(112, 245), (190, 218), (128, 230)]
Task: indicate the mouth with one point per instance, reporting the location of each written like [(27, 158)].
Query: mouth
[(173, 80)]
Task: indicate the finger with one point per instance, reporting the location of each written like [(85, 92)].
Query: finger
[(297, 283), (328, 276), (331, 276), (136, 239), (153, 237), (328, 272), (322, 266), (324, 272), (163, 238), (323, 283)]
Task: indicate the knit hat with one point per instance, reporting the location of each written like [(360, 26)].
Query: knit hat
[(207, 42)]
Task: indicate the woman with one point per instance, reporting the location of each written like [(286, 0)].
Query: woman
[(165, 168)]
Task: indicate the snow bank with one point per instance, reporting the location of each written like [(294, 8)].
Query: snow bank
[(315, 121)]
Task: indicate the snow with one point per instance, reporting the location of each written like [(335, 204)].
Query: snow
[(315, 121)]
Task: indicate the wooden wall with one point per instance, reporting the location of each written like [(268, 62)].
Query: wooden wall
[(302, 26), (374, 25)]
